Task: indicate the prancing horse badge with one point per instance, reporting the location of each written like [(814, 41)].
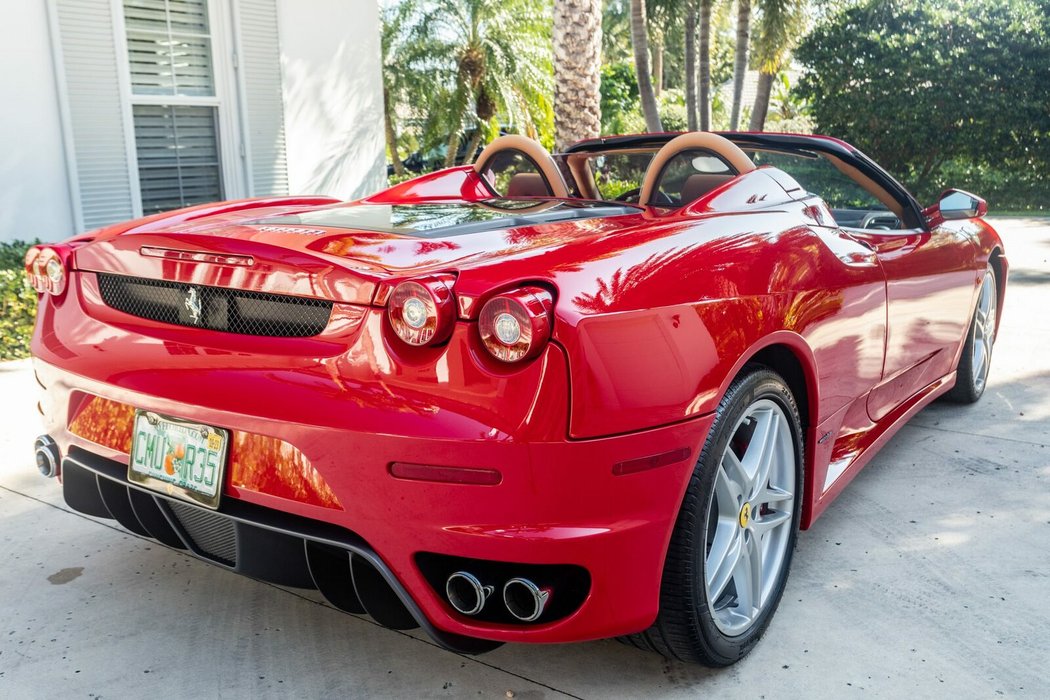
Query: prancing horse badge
[(193, 304)]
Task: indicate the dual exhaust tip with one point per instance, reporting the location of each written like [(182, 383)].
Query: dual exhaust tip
[(48, 456), (523, 599)]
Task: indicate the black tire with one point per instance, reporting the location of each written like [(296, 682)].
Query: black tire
[(969, 385), (684, 628)]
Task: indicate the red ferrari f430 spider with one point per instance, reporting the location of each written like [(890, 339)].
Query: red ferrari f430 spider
[(536, 399)]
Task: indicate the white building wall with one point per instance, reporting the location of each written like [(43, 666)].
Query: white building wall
[(333, 96), (34, 189)]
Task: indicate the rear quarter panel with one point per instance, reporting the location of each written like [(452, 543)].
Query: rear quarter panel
[(658, 321)]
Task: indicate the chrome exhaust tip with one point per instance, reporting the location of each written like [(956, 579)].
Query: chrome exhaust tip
[(47, 456), (524, 599), (466, 593)]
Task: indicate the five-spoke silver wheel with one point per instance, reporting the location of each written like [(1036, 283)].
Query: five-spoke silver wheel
[(728, 560), (750, 517), (975, 361), (983, 333)]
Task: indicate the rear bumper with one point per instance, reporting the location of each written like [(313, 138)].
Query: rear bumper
[(558, 502)]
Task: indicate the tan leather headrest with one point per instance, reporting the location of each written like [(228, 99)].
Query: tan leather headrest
[(699, 184), (527, 185), (694, 140), (534, 151)]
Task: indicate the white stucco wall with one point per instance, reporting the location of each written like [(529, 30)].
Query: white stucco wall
[(333, 96), (34, 191)]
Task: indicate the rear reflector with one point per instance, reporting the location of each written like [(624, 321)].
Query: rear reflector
[(450, 475), (645, 463)]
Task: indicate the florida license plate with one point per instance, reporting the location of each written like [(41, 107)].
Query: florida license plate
[(179, 458)]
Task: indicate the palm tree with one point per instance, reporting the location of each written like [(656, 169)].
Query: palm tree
[(698, 108), (640, 42), (397, 73), (498, 56), (690, 66), (781, 23), (577, 70), (743, 31), (705, 64)]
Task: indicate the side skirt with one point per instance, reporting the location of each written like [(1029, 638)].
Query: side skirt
[(845, 468)]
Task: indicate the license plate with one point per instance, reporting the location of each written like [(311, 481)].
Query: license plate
[(179, 458)]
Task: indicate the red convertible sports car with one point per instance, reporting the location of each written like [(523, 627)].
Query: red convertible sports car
[(536, 399)]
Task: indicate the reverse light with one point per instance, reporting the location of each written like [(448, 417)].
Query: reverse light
[(421, 312), (46, 271), (516, 325)]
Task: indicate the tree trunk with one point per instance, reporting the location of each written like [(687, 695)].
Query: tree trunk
[(761, 108), (475, 141), (577, 42), (658, 61), (453, 148), (690, 67), (743, 31), (391, 137), (640, 42), (705, 65), (461, 105)]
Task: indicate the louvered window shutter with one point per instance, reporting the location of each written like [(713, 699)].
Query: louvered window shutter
[(263, 101), (89, 65)]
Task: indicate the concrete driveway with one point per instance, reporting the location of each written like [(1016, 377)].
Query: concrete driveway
[(929, 577)]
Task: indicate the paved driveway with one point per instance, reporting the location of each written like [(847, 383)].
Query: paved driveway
[(929, 577)]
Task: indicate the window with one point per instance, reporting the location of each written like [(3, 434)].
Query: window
[(852, 204), (512, 174), (688, 176), (174, 103), (618, 176), (177, 149)]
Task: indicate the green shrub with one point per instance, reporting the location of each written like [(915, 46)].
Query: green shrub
[(17, 314), (17, 302), (13, 254)]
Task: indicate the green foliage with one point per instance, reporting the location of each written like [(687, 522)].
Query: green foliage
[(921, 84), (788, 112), (672, 110), (619, 95), (13, 254), (17, 302), (453, 66), (780, 24), (394, 179), (1005, 189)]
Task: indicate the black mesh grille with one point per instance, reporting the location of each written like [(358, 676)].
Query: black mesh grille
[(216, 308), (214, 534)]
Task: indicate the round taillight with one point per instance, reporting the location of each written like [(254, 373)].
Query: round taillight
[(516, 325), (46, 271), (421, 312)]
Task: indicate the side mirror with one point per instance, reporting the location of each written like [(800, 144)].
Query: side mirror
[(956, 204)]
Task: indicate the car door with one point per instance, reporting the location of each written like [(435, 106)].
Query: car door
[(930, 282), (930, 273)]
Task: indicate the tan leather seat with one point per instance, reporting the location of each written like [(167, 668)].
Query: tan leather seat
[(699, 184), (527, 185), (694, 140), (534, 152)]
